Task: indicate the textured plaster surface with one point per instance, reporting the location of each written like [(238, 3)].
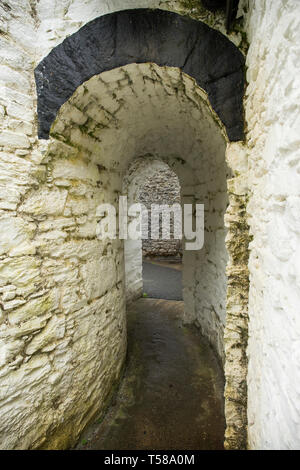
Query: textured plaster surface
[(272, 114)]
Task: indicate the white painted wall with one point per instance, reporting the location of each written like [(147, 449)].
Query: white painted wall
[(273, 119)]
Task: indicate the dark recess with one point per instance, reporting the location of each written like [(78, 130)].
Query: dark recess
[(230, 6), (214, 5)]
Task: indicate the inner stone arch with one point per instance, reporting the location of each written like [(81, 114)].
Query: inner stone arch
[(149, 180), (111, 119), (141, 36)]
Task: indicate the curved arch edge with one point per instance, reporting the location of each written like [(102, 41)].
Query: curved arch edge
[(139, 36)]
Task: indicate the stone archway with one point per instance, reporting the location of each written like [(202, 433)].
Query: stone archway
[(105, 142), (145, 174), (140, 36)]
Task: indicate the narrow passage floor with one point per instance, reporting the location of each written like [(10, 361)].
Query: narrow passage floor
[(162, 279), (171, 394)]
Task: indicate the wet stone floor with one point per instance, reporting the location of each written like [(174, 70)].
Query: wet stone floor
[(171, 394)]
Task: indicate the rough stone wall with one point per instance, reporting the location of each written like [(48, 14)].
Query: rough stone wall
[(272, 114), (17, 94), (205, 282), (236, 330), (160, 188), (63, 334), (57, 19)]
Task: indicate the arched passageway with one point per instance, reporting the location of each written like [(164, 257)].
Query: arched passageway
[(141, 36), (110, 120), (102, 109), (62, 331), (149, 181)]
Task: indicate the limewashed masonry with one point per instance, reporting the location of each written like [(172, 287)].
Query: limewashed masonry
[(62, 334)]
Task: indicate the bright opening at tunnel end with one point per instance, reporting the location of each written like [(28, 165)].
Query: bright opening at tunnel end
[(131, 222)]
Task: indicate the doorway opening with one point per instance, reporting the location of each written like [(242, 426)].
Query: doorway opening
[(153, 184), (111, 119), (149, 112), (171, 394)]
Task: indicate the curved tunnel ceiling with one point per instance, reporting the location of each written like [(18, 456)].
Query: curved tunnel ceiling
[(140, 36)]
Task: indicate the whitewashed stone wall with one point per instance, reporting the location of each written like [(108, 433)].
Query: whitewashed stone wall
[(210, 286), (54, 310), (63, 334), (272, 113)]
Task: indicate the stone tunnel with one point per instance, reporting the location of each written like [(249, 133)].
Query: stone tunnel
[(90, 90)]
